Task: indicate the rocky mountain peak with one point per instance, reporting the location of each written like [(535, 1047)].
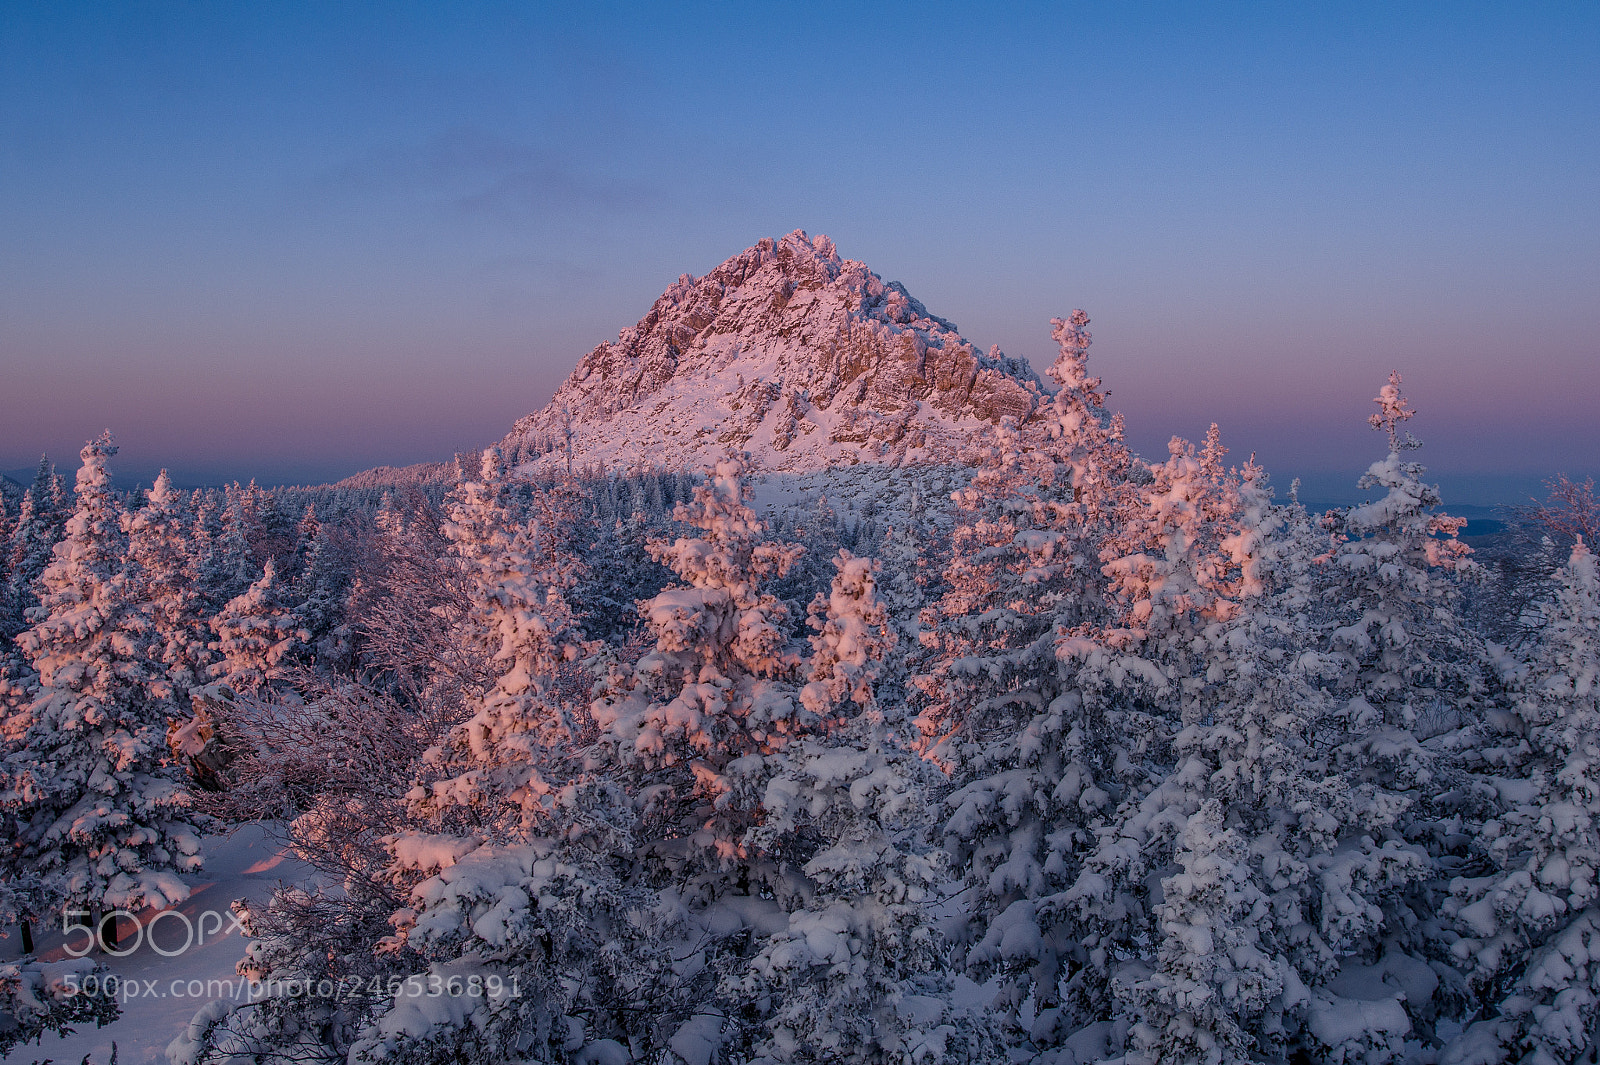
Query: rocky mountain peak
[(788, 351)]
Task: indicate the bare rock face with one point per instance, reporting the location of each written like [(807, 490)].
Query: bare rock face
[(787, 351)]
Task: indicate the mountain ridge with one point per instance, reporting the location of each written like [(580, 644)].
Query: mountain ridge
[(787, 351)]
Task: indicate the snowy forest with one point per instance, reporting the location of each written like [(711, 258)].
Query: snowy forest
[(1064, 755)]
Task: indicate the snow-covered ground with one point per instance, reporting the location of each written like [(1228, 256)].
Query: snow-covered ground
[(160, 994)]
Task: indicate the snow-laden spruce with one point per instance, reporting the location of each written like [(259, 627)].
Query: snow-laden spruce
[(518, 580), (100, 811), (33, 534), (1225, 871), (687, 724), (30, 538), (224, 561), (161, 555), (1034, 768), (258, 634), (1411, 660), (511, 938), (37, 997), (1269, 872), (319, 587), (1529, 931), (855, 974)]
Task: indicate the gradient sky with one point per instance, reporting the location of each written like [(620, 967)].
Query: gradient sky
[(292, 241)]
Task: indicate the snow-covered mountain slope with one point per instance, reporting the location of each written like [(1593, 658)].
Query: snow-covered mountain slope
[(423, 473), (789, 352)]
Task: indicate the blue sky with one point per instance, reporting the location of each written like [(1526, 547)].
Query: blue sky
[(291, 241)]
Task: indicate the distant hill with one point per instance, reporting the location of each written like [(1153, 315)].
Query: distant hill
[(423, 473)]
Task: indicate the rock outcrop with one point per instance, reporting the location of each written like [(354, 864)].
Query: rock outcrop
[(804, 359)]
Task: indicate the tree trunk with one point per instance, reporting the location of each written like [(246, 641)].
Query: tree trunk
[(27, 936), (108, 933)]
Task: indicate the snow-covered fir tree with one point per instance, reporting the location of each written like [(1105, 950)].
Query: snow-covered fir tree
[(1178, 565), (511, 911), (37, 997), (250, 509), (318, 585), (18, 682), (903, 587), (1263, 875), (1205, 992), (620, 573), (715, 693), (407, 603), (30, 536), (1411, 686), (34, 533), (519, 577), (165, 582), (8, 610), (1168, 569), (687, 732), (101, 813), (856, 973), (259, 634), (1523, 931), (1408, 655), (1035, 768), (1025, 560), (223, 561)]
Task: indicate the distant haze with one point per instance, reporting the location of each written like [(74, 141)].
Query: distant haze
[(290, 242)]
